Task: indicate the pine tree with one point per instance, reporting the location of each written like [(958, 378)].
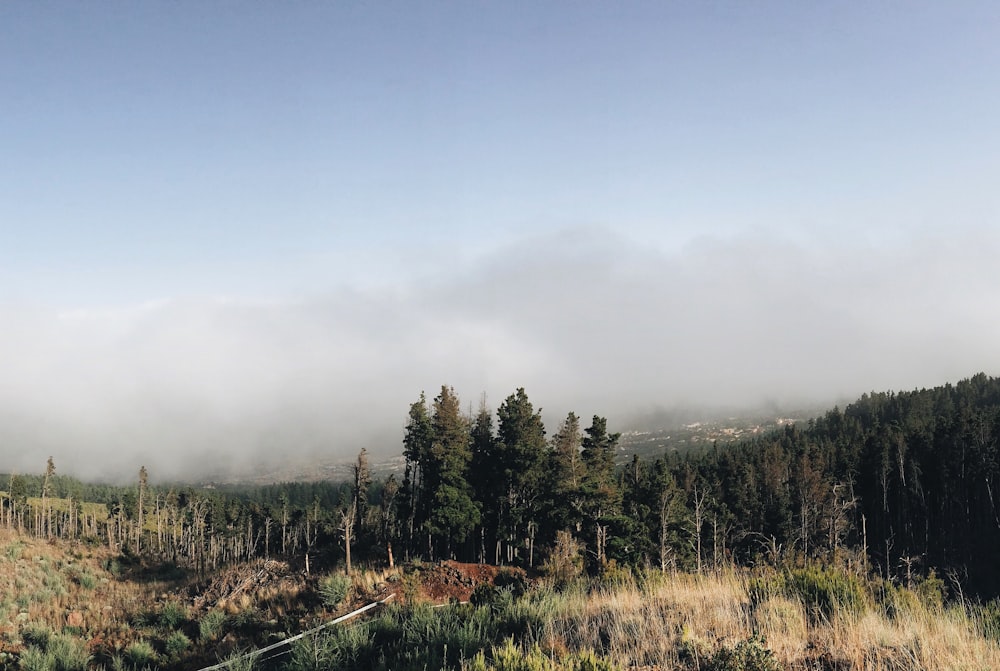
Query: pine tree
[(521, 458), (484, 475), (454, 514), (602, 498)]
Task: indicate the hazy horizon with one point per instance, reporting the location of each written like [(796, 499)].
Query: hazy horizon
[(232, 234)]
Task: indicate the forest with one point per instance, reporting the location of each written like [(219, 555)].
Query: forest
[(898, 483)]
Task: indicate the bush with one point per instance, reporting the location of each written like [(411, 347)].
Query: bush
[(86, 580), (483, 595), (34, 659), (37, 635), (826, 590), (512, 581), (897, 602), (988, 618), (176, 644), (564, 564), (210, 627), (333, 589), (510, 657), (68, 653), (172, 615), (931, 591), (240, 660), (748, 655), (140, 654)]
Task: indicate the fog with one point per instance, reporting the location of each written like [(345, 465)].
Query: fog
[(584, 319)]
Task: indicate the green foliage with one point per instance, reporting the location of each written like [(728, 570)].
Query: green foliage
[(749, 655), (614, 574), (210, 626), (241, 660), (172, 615), (176, 644), (36, 635), (13, 551), (510, 657), (140, 654), (68, 653), (987, 616), (513, 581), (825, 590), (333, 589), (931, 591), (897, 602), (47, 651), (114, 567), (35, 659), (483, 595), (86, 580), (421, 637)]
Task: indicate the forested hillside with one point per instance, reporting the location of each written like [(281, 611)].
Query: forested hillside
[(903, 482)]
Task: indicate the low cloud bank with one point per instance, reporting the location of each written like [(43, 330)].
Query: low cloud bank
[(585, 320)]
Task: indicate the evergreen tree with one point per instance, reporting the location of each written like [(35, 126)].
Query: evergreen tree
[(453, 514), (521, 459)]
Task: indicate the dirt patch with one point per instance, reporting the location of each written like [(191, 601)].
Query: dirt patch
[(454, 581)]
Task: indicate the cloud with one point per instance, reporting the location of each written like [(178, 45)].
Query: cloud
[(584, 319)]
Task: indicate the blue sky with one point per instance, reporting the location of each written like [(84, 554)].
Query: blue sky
[(502, 171)]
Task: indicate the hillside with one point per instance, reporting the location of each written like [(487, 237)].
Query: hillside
[(80, 608)]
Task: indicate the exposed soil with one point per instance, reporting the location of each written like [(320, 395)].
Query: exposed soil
[(454, 581)]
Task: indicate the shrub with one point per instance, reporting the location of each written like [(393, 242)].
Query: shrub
[(565, 562), (86, 580), (140, 654), (68, 653), (172, 615), (240, 660), (826, 590), (333, 589), (13, 551), (114, 567), (210, 627), (988, 618), (748, 655), (34, 659), (176, 644), (37, 635), (513, 581), (483, 595), (613, 574), (510, 657), (896, 601), (931, 591)]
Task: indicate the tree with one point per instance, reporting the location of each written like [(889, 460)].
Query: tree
[(143, 479), (359, 490), (602, 499), (565, 476), (521, 457), (413, 499), (46, 514), (484, 476), (453, 514)]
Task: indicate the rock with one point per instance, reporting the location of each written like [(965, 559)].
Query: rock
[(74, 619)]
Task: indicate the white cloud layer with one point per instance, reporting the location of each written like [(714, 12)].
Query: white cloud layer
[(585, 320)]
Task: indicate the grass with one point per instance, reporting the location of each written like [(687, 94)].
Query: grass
[(63, 607), (810, 618)]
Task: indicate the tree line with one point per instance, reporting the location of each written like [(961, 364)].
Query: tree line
[(897, 482)]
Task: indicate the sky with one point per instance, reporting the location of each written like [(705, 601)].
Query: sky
[(240, 232)]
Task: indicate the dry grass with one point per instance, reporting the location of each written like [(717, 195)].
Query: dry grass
[(676, 622), (659, 621)]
